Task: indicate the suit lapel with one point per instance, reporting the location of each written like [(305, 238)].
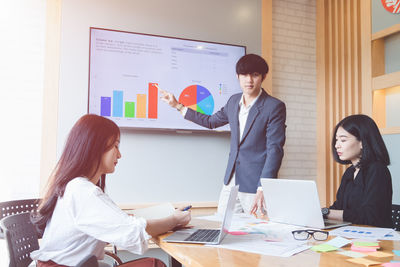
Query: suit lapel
[(235, 130), (254, 111)]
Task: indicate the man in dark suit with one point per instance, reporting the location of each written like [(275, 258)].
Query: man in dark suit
[(257, 122)]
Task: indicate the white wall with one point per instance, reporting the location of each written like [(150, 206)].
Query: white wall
[(156, 166), (22, 46)]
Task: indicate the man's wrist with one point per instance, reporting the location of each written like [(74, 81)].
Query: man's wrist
[(179, 106)]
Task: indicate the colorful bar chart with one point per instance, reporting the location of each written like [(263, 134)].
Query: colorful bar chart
[(146, 105)]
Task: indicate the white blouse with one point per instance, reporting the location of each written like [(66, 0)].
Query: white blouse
[(84, 220)]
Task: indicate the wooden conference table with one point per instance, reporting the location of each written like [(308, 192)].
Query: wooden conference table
[(199, 255)]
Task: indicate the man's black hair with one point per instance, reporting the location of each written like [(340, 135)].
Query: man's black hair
[(252, 63)]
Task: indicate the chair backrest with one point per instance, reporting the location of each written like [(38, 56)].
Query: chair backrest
[(396, 216), (89, 261), (21, 238), (17, 206)]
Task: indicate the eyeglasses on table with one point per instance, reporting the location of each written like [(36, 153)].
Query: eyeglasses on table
[(308, 233)]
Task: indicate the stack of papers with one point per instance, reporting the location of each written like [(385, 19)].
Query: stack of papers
[(255, 243), (254, 235)]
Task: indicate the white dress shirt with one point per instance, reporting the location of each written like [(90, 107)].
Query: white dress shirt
[(244, 113), (84, 220), (244, 200)]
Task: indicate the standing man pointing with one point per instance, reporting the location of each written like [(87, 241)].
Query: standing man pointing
[(257, 122)]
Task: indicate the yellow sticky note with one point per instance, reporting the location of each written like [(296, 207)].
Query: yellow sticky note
[(364, 261), (323, 248), (380, 254)]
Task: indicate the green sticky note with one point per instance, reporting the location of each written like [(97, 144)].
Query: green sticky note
[(365, 244), (323, 248)]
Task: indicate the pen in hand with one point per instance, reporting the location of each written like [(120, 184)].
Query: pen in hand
[(187, 208)]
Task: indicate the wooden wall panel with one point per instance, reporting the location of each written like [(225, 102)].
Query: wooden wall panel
[(266, 40), (343, 78), (50, 91)]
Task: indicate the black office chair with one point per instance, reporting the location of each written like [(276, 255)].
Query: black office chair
[(21, 238), (17, 206), (396, 216)]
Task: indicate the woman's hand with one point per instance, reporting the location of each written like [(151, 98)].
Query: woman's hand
[(335, 215), (179, 219), (182, 218)]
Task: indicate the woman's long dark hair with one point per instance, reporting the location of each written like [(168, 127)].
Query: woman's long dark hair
[(365, 130), (88, 140)]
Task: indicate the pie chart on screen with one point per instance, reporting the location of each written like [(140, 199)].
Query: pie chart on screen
[(197, 98)]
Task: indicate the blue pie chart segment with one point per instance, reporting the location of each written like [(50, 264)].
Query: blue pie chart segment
[(206, 105), (202, 93)]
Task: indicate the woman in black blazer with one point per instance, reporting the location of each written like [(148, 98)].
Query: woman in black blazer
[(365, 192)]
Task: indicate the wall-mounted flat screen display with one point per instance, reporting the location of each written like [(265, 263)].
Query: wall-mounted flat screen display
[(126, 69)]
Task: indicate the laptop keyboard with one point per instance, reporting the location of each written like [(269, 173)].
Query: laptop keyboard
[(204, 235)]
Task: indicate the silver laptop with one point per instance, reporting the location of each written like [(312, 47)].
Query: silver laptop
[(208, 236), (295, 202)]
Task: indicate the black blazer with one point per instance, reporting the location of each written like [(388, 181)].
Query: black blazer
[(367, 199)]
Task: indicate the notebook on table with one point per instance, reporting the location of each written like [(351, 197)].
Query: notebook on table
[(208, 236), (295, 202)]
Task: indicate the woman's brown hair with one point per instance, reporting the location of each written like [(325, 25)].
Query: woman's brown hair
[(88, 140)]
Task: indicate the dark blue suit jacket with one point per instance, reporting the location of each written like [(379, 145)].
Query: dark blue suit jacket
[(259, 153)]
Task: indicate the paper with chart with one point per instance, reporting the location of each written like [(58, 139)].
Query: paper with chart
[(371, 233)]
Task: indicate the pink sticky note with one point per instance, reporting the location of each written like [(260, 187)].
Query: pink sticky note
[(238, 233), (391, 264), (363, 249)]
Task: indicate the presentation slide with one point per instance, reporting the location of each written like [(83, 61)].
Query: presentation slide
[(126, 69)]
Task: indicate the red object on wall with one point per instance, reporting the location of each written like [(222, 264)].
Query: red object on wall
[(393, 6)]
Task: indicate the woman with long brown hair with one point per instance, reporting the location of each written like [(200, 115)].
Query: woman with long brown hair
[(77, 217)]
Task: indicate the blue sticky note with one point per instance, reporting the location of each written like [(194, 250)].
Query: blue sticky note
[(396, 252)]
